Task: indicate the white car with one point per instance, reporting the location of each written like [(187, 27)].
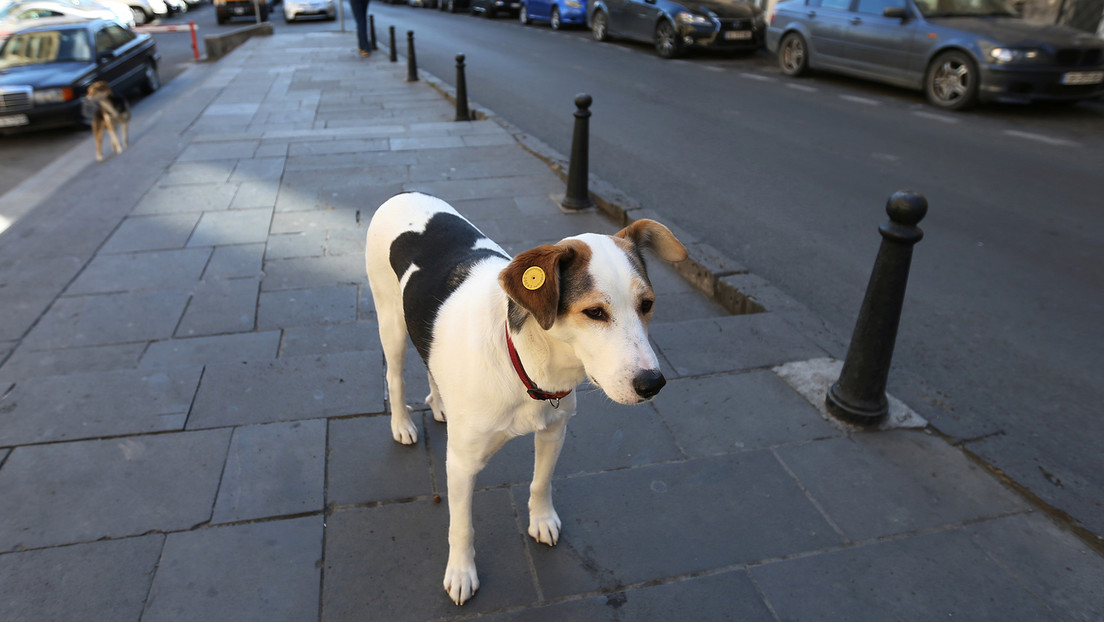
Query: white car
[(15, 15), (296, 9), (148, 9)]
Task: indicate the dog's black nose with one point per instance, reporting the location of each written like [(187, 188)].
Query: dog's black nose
[(648, 382)]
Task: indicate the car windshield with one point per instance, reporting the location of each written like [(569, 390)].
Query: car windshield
[(45, 46), (964, 8)]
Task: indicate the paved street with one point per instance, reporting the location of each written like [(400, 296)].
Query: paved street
[(193, 421)]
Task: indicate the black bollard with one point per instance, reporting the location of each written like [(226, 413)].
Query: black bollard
[(462, 113), (372, 32), (411, 62), (578, 193), (859, 394), (391, 33)]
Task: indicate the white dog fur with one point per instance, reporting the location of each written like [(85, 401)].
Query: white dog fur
[(435, 277)]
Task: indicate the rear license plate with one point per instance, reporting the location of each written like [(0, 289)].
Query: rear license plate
[(1083, 77), (737, 35), (14, 120)]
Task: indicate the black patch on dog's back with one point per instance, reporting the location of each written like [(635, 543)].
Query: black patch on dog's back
[(444, 254)]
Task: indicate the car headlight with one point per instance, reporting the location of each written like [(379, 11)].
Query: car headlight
[(53, 96), (1015, 55), (690, 19)]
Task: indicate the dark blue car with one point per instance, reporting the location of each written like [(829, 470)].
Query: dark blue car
[(558, 13), (45, 69)]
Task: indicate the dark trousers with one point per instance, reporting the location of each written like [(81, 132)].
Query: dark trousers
[(360, 14)]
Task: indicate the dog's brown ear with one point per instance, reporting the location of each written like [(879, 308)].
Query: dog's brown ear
[(532, 280), (649, 234)]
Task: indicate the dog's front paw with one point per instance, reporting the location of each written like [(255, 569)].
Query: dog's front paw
[(403, 428), (461, 581), (545, 528)]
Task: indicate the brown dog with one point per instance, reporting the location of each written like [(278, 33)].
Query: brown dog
[(107, 112)]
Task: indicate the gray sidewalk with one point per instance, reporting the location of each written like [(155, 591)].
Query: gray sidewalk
[(193, 421)]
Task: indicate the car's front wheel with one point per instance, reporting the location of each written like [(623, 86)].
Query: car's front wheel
[(523, 15), (667, 42), (151, 81), (952, 81), (599, 26), (555, 22), (793, 55)]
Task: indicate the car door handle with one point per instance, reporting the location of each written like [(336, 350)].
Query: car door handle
[(855, 21), (812, 14)]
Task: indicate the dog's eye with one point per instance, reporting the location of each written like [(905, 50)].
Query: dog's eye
[(646, 306), (596, 313)]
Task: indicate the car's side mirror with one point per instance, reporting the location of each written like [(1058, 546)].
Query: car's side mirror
[(895, 12), (105, 56)]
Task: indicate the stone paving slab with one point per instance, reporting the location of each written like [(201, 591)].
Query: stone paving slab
[(76, 321), (277, 469), (56, 408), (221, 306), (235, 262), (366, 465), (150, 233), (255, 572), (99, 580), (877, 485), (33, 364), (368, 548), (735, 412), (308, 387), (241, 347), (727, 596), (300, 307), (121, 487), (714, 345), (636, 525), (168, 269), (938, 576)]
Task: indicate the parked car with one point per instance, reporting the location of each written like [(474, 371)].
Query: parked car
[(45, 69), (558, 13), (674, 25), (958, 52), (298, 9), (453, 6), (15, 15), (149, 9), (491, 8), (227, 9)]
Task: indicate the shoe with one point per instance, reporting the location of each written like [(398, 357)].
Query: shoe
[(364, 52)]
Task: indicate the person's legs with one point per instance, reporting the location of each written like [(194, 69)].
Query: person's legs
[(360, 14)]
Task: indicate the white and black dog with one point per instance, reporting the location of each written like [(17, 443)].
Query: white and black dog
[(506, 342)]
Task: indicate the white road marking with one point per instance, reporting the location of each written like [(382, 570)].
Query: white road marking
[(761, 78), (935, 117), (802, 87), (855, 99), (1057, 142)]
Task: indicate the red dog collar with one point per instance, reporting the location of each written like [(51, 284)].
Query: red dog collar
[(530, 386)]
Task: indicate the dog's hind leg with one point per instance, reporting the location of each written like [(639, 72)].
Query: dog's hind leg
[(434, 400), (392, 330), (97, 137)]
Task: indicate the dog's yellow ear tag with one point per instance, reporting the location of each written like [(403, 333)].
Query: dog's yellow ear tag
[(532, 278)]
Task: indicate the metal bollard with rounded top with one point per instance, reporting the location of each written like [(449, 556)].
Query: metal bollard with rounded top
[(372, 32), (578, 192), (462, 113), (411, 62), (394, 56), (858, 396)]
